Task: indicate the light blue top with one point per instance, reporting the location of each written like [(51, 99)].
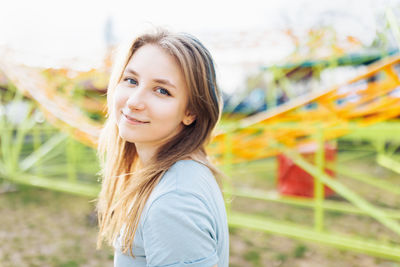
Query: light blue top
[(183, 222)]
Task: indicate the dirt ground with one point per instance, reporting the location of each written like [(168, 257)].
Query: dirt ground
[(45, 228)]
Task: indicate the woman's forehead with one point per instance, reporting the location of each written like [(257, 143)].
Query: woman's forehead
[(153, 59)]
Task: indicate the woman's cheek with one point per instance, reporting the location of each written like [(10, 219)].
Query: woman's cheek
[(117, 105)]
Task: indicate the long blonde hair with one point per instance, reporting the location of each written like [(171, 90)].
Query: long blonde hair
[(126, 188)]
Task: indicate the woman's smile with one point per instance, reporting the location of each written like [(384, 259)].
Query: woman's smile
[(132, 120)]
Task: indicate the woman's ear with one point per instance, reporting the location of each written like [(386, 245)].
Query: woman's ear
[(189, 118)]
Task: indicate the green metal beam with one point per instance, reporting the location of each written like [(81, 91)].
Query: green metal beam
[(328, 205), (341, 189), (388, 162), (366, 178), (319, 192), (344, 156), (37, 155), (90, 190), (340, 241)]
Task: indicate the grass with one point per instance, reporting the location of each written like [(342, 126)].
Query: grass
[(299, 251), (45, 228)]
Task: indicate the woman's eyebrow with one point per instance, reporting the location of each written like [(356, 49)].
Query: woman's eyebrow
[(127, 70), (162, 81)]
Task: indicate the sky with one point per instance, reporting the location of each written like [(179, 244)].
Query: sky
[(71, 33), (64, 29)]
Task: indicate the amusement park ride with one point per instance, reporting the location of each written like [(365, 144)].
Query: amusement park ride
[(365, 108)]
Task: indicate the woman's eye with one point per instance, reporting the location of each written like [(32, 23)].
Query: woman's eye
[(131, 81), (163, 91)]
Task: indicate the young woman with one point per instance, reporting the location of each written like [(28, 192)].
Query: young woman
[(160, 203)]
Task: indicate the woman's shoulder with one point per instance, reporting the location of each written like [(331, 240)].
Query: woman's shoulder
[(185, 181), (187, 177)]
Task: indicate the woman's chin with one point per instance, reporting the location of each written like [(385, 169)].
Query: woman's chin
[(126, 140), (125, 135)]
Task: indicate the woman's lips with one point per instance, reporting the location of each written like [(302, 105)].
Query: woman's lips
[(134, 121)]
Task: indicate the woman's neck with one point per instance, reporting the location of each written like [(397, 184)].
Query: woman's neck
[(145, 154), (199, 156)]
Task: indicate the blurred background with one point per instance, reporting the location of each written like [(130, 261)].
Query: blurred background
[(309, 137)]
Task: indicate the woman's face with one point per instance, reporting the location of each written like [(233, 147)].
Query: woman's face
[(150, 100)]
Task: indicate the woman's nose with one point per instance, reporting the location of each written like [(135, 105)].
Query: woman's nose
[(137, 99)]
